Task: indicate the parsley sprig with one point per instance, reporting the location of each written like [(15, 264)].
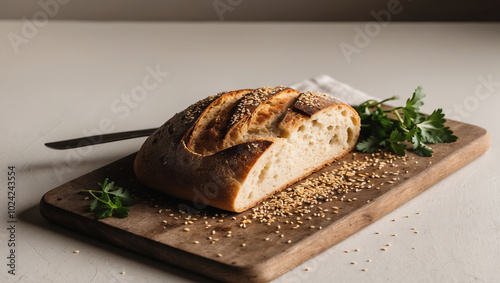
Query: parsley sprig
[(406, 124), (110, 200)]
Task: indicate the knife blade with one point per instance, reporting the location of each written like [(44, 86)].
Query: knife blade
[(99, 139)]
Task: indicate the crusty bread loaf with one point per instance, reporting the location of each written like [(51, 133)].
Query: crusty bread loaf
[(236, 148)]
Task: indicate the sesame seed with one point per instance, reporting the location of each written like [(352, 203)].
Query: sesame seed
[(76, 251), (186, 229), (346, 251), (219, 255), (122, 272), (388, 245), (307, 269), (243, 245), (353, 262), (364, 269), (368, 260), (384, 249), (356, 250), (196, 242)]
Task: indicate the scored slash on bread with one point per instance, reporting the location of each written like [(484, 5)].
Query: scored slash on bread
[(210, 128), (235, 149)]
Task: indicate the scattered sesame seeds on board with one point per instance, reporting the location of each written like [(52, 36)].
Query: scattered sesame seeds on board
[(324, 188)]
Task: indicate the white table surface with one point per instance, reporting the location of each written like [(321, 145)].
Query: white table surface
[(69, 77)]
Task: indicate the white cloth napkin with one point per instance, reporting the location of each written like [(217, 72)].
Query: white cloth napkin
[(327, 84)]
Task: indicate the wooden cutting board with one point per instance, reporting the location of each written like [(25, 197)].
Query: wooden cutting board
[(207, 249)]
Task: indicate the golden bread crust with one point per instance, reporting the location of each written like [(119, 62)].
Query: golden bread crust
[(193, 157)]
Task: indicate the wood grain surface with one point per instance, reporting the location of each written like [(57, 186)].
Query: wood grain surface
[(156, 225)]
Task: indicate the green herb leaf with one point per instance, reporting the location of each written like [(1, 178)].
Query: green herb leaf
[(93, 205), (124, 196), (416, 101), (369, 145), (433, 129), (409, 125), (393, 143), (104, 205), (104, 213), (423, 150), (121, 212)]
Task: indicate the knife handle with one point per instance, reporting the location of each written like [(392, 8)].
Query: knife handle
[(99, 139)]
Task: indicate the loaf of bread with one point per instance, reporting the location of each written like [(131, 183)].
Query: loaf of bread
[(235, 149)]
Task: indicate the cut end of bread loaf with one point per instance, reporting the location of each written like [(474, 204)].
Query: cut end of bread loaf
[(248, 144), (318, 141)]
